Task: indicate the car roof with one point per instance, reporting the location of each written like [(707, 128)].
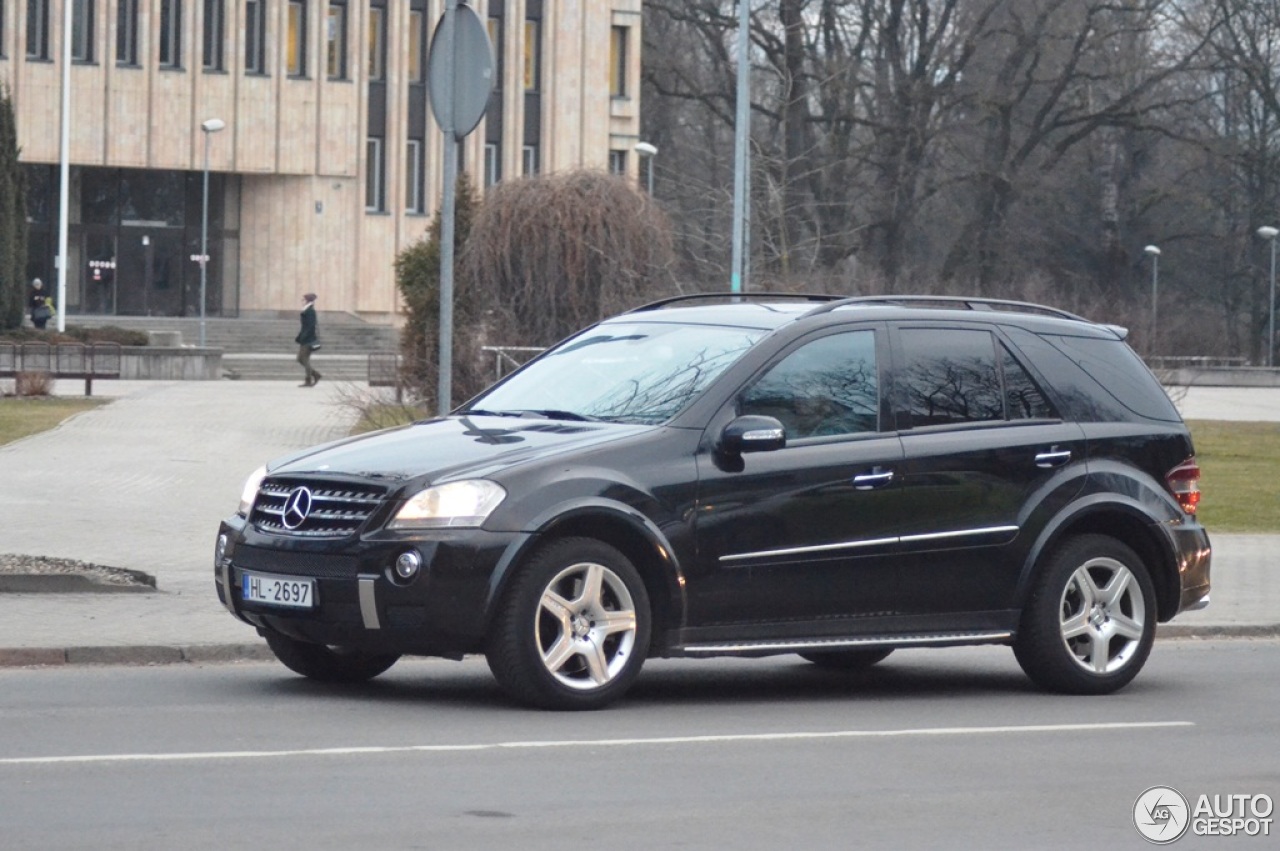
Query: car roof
[(770, 311)]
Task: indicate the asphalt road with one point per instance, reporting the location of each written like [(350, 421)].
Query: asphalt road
[(935, 749)]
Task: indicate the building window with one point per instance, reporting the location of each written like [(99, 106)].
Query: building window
[(170, 34), (296, 55), (336, 41), (529, 160), (373, 179), (417, 41), (618, 61), (413, 176), (215, 23), (377, 43), (255, 37), (531, 56), (494, 26), (37, 29), (492, 164), (127, 32), (82, 30), (618, 162)]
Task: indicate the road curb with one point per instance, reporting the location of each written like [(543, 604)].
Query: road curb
[(141, 654), (159, 654)]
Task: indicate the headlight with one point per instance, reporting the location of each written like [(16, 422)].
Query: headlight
[(465, 503), (250, 492)]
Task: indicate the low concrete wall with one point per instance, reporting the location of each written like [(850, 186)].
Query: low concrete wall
[(170, 364), (1238, 376)]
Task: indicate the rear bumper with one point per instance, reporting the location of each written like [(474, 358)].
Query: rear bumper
[(1194, 557)]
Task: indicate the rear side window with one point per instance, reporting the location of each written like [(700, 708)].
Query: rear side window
[(1121, 373), (1023, 398), (954, 376)]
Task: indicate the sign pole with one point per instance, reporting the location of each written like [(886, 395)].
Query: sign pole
[(444, 387)]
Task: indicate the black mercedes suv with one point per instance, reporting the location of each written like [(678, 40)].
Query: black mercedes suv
[(745, 476)]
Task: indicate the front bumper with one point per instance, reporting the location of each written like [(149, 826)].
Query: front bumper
[(359, 602)]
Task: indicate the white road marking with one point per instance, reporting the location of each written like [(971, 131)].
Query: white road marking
[(594, 743)]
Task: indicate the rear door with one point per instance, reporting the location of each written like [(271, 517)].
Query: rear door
[(987, 460)]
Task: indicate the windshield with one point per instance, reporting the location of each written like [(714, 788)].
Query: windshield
[(642, 372)]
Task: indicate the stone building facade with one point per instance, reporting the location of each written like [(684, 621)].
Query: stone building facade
[(328, 162)]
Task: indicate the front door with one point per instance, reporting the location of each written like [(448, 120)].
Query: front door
[(803, 537)]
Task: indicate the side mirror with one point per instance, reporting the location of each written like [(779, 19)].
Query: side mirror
[(752, 433)]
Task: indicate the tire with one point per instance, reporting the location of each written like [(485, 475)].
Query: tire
[(853, 659), (572, 630), (329, 664), (1091, 619)]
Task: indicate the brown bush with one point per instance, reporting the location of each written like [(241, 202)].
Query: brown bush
[(34, 384)]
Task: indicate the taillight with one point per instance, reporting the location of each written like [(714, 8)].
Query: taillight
[(1184, 482)]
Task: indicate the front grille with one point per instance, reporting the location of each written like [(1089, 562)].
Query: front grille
[(335, 509)]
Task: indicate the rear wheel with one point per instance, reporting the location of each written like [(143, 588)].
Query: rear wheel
[(853, 659), (329, 664), (572, 631), (1091, 620)]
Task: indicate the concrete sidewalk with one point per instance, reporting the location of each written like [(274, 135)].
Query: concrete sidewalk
[(142, 483)]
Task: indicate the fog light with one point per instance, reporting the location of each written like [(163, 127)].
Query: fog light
[(220, 550), (407, 565)]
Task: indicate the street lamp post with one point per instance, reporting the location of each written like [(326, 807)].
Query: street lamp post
[(1154, 252), (647, 152), (1269, 234), (209, 127)]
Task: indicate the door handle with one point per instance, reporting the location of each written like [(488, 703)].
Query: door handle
[(877, 478), (1053, 458)]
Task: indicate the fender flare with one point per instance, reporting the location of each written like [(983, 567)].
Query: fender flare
[(1095, 504), (560, 515)]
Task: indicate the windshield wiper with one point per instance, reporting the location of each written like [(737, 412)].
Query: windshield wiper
[(553, 414), (480, 412)]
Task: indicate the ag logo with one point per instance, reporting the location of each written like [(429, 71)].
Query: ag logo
[(1161, 815)]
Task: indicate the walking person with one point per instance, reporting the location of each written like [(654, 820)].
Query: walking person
[(41, 306), (308, 340)]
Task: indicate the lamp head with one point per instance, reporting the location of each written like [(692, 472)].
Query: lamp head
[(213, 125), (644, 149), (1153, 250), (1267, 232)]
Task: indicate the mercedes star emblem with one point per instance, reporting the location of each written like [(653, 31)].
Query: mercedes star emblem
[(296, 508)]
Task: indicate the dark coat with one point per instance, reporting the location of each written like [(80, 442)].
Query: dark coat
[(307, 336)]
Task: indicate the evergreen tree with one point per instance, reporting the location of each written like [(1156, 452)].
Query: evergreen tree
[(418, 279), (13, 219)]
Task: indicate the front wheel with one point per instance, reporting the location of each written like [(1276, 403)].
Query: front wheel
[(1091, 619), (573, 629), (329, 664)]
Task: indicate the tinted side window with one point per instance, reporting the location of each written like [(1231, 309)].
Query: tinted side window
[(1080, 397), (1025, 401), (826, 387), (1117, 368), (950, 376)]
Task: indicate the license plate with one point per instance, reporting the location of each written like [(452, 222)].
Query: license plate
[(278, 590)]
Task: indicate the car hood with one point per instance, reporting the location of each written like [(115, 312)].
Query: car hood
[(437, 450)]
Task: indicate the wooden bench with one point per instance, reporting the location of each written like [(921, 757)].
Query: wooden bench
[(62, 360)]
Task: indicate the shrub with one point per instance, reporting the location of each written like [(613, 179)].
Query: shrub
[(34, 384)]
